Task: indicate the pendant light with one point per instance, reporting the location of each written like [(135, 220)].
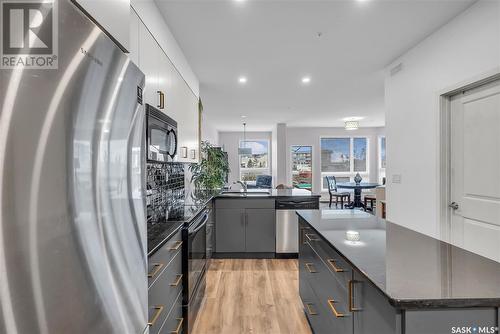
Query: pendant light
[(245, 150), (351, 125)]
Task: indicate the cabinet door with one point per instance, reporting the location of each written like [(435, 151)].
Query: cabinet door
[(230, 231), (260, 230), (372, 312), (149, 59)]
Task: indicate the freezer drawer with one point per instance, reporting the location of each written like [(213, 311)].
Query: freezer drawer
[(287, 231)]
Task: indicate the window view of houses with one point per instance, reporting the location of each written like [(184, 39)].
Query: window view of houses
[(302, 167), (256, 163)]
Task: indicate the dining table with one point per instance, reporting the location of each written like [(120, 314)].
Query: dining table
[(358, 188)]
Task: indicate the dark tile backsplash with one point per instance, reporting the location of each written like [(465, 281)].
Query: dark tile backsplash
[(165, 189)]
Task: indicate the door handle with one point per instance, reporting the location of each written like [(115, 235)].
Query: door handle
[(332, 264), (337, 314), (178, 244), (352, 308), (454, 205), (179, 326), (310, 310), (161, 105), (177, 281), (310, 268), (157, 267), (159, 310)]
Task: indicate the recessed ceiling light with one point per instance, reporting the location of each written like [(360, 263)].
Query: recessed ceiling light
[(242, 80), (353, 118), (306, 80)]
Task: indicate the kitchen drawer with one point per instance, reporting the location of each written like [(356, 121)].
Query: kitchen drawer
[(163, 292), (158, 262), (336, 265), (175, 322), (244, 203), (315, 313)]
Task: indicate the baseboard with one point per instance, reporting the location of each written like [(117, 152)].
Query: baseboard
[(244, 255), (287, 255)]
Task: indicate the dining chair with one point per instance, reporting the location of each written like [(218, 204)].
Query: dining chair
[(333, 191)]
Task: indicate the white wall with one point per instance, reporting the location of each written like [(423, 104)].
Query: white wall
[(209, 132), (465, 48), (311, 137), (230, 142), (150, 14)]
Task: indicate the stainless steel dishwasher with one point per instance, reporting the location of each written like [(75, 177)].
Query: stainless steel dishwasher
[(287, 229)]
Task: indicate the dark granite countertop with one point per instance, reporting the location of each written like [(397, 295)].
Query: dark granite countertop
[(413, 270), (194, 202), (160, 233), (268, 193)]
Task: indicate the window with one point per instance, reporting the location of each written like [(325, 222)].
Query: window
[(302, 167), (256, 163), (344, 157), (381, 159)]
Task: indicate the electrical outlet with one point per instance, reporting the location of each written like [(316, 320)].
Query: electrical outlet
[(396, 178)]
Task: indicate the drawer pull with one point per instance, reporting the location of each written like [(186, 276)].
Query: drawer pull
[(178, 245), (159, 309), (352, 308), (161, 105), (156, 269), (337, 314), (310, 310), (332, 264), (179, 326), (311, 237), (310, 268), (177, 281)]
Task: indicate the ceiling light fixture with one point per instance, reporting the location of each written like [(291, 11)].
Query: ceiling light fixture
[(242, 80), (244, 150), (306, 80), (351, 125)]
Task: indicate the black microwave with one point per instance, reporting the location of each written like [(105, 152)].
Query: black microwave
[(161, 136)]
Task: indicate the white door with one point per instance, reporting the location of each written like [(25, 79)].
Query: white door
[(475, 170)]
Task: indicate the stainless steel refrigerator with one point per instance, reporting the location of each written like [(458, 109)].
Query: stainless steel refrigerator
[(72, 205)]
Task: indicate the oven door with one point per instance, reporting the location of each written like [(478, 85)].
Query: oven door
[(197, 251)]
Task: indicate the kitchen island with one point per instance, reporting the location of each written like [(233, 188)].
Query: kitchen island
[(391, 280)]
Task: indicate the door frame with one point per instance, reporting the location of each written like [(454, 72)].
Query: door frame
[(444, 149)]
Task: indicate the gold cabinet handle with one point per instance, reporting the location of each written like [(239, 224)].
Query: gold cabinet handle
[(332, 264), (179, 326), (337, 314), (308, 236), (159, 309), (162, 100), (156, 269), (310, 310), (177, 281), (310, 268), (352, 308), (178, 244)]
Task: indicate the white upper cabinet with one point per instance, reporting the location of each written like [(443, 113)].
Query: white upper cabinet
[(149, 60), (113, 16), (166, 89)]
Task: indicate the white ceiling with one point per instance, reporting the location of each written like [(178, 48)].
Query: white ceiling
[(276, 43)]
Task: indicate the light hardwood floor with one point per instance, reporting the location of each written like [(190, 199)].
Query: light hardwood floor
[(252, 296)]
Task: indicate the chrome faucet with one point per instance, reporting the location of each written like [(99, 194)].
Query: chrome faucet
[(245, 187)]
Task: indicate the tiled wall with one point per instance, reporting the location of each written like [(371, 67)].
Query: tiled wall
[(165, 189)]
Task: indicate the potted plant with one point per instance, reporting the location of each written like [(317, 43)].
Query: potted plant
[(210, 173)]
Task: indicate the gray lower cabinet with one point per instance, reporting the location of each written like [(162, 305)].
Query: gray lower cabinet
[(245, 226), (165, 288), (260, 230), (337, 298), (230, 230)]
